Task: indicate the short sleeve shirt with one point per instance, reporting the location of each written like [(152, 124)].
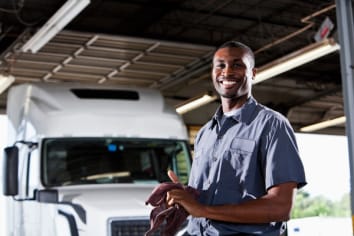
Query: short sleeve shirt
[(253, 150)]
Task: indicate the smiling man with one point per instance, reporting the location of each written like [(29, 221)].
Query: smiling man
[(246, 164)]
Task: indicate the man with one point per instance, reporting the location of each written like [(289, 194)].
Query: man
[(246, 164)]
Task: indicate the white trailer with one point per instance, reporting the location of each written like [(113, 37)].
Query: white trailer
[(83, 160)]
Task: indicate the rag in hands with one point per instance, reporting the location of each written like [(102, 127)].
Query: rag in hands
[(173, 216)]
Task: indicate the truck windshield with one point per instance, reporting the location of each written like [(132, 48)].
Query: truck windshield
[(73, 161)]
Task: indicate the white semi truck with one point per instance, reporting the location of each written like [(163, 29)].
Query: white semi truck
[(83, 160)]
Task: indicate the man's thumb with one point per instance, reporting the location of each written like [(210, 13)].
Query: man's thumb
[(173, 176)]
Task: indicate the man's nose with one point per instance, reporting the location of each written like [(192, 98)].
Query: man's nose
[(228, 70)]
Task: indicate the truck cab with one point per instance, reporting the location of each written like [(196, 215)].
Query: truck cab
[(82, 160)]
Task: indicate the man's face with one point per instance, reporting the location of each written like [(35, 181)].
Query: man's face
[(232, 72)]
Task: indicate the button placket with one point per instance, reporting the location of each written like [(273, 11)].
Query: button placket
[(215, 150)]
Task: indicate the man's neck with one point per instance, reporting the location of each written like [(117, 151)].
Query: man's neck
[(229, 104)]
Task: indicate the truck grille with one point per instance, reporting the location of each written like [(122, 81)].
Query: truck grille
[(132, 227)]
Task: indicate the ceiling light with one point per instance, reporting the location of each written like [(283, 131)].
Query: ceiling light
[(195, 102), (324, 124), (5, 82), (295, 59), (55, 24)]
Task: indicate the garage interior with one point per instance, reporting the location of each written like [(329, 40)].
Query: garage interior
[(169, 44)]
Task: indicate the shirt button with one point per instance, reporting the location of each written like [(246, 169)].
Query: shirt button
[(215, 158)]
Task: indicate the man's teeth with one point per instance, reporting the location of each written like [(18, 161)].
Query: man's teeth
[(228, 82)]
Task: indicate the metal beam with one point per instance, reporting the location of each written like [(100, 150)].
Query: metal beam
[(345, 20)]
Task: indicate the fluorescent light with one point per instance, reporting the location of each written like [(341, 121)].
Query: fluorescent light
[(298, 58), (5, 82), (194, 103), (55, 24), (324, 124)]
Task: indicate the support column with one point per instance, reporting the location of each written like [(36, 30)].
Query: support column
[(344, 12)]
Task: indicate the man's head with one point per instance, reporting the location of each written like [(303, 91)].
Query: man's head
[(236, 44), (233, 70)]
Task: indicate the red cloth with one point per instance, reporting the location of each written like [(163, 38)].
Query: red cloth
[(173, 217)]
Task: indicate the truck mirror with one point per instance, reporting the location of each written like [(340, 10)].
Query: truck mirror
[(47, 196), (10, 178)]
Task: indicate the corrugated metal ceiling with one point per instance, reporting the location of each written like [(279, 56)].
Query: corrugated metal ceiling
[(99, 58), (168, 44)]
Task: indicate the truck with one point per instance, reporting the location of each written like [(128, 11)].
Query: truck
[(81, 160)]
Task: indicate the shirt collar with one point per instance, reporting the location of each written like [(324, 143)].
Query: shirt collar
[(243, 115)]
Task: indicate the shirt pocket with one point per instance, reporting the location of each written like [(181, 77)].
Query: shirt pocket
[(237, 161), (243, 146)]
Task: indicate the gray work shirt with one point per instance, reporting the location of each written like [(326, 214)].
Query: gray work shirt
[(240, 160)]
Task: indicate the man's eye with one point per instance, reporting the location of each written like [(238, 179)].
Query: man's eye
[(220, 66), (238, 65)]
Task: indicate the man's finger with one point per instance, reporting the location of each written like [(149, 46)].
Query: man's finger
[(173, 176)]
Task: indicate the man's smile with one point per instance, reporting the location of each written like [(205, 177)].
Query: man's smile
[(228, 82)]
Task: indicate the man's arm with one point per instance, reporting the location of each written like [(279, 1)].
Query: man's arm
[(274, 206)]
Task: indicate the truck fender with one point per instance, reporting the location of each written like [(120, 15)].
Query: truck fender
[(66, 225)]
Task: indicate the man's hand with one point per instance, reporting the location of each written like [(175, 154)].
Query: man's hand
[(182, 197), (173, 176)]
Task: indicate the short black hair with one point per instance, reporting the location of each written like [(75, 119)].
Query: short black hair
[(236, 44)]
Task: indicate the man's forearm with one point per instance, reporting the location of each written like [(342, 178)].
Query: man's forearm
[(273, 207)]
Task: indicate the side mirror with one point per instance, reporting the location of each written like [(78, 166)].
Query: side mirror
[(47, 196), (10, 172)]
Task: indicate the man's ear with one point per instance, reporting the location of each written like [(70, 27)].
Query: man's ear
[(254, 72)]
